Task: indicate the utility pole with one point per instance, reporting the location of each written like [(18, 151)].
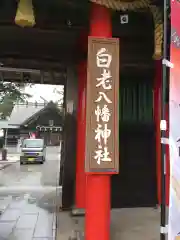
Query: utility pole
[(163, 124)]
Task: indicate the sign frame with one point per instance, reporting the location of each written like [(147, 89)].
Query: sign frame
[(95, 73)]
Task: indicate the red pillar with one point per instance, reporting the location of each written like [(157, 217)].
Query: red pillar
[(81, 129), (97, 221), (167, 158), (157, 117)]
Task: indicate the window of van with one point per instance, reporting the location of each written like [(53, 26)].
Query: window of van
[(33, 143)]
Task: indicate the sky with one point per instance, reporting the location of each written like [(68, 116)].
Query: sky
[(46, 91)]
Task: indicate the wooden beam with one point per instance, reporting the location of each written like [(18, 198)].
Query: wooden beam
[(33, 64)]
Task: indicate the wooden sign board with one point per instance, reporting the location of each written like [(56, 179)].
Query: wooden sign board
[(102, 106)]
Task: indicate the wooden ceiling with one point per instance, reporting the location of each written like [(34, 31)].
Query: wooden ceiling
[(54, 38), (53, 43), (49, 13)]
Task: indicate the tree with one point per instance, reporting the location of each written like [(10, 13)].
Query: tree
[(10, 94), (61, 95)]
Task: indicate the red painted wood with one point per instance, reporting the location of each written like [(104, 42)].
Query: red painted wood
[(157, 118), (81, 130), (98, 194)]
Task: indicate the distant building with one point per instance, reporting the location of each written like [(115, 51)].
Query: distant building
[(44, 120)]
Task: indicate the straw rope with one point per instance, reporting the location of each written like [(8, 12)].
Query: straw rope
[(158, 31), (123, 5)]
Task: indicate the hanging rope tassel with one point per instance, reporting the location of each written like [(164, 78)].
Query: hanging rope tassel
[(158, 31), (25, 14)]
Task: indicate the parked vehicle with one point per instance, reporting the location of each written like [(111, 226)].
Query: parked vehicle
[(33, 150)]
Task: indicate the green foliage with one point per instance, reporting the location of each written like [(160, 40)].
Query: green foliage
[(10, 93)]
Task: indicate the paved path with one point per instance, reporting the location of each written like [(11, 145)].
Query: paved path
[(126, 224), (7, 163), (12, 157), (28, 199), (28, 208)]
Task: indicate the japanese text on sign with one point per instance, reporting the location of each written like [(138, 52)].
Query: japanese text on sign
[(103, 114), (102, 97)]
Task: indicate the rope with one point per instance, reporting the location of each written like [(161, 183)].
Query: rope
[(158, 31), (123, 5)]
